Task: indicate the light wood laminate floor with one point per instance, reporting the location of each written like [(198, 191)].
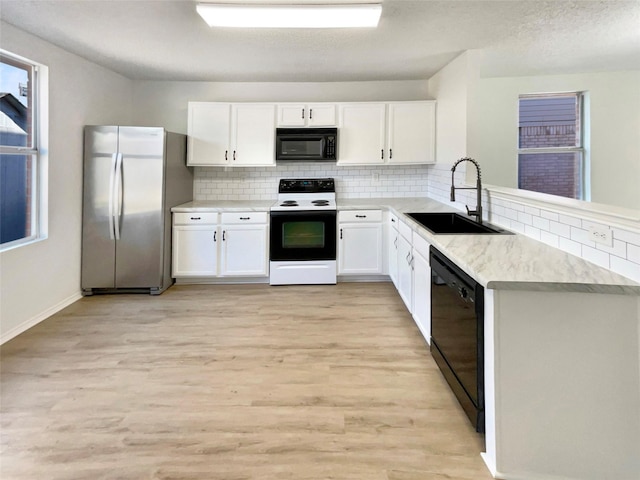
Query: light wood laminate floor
[(237, 382)]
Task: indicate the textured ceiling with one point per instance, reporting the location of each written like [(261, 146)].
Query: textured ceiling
[(167, 40)]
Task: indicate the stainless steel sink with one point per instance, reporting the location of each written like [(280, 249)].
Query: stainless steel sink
[(454, 223)]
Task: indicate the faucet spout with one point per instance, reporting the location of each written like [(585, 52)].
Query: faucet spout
[(478, 211)]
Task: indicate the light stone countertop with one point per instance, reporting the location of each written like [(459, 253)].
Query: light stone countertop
[(204, 206), (500, 262)]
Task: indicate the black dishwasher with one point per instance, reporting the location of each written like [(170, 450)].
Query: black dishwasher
[(457, 333)]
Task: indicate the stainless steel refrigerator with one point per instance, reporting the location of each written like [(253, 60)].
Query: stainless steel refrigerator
[(132, 178)]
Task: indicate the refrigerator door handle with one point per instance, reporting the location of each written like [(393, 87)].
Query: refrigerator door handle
[(112, 183), (118, 195)]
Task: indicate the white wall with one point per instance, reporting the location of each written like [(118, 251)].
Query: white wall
[(165, 103), (38, 279), (614, 99), (561, 223)]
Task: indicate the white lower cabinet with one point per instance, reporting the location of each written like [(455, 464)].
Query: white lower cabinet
[(421, 286), (405, 266), (360, 242), (195, 245), (392, 242), (244, 250), (235, 246)]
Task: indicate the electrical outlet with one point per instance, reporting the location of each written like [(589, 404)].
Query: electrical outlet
[(375, 178), (600, 234)]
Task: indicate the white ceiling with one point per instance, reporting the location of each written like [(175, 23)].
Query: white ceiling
[(167, 40)]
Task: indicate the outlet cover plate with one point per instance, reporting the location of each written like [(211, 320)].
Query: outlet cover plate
[(601, 235)]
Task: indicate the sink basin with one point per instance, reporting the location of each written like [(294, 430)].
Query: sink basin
[(454, 223)]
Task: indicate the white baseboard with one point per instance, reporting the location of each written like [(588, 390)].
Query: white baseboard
[(27, 324)]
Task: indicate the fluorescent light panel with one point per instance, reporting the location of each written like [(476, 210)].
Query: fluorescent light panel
[(290, 16)]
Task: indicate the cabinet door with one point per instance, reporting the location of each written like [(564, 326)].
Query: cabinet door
[(195, 251), (393, 255), (411, 132), (422, 294), (208, 133), (253, 134), (244, 250), (405, 274), (292, 115), (362, 133), (360, 249), (321, 115)]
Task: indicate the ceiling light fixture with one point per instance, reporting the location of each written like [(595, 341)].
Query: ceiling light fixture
[(290, 16)]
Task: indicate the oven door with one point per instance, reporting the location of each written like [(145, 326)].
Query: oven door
[(303, 235)]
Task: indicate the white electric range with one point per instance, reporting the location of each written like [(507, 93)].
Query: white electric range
[(303, 233)]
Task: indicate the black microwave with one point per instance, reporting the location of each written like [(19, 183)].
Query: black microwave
[(306, 144)]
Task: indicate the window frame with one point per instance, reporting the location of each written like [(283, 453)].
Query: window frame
[(37, 149), (580, 148)]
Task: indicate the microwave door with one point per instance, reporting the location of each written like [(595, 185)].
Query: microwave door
[(305, 148)]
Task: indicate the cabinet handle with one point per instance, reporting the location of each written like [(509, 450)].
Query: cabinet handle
[(361, 216), (224, 232), (382, 154), (245, 218), (196, 218), (393, 220), (303, 113), (226, 155), (311, 114), (340, 234), (390, 154), (407, 257), (234, 155), (395, 243), (215, 234)]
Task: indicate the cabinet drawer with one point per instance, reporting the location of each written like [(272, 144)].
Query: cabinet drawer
[(405, 230), (196, 218), (420, 245), (244, 217), (360, 216), (393, 221)]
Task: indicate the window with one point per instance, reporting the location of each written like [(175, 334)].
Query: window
[(551, 153), (20, 144)]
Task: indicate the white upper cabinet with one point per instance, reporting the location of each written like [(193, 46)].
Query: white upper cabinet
[(386, 133), (231, 134), (208, 126), (361, 135), (369, 133), (307, 115), (253, 130), (411, 132)]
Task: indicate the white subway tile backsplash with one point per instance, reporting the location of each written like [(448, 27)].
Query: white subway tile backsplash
[(569, 220), (351, 182), (633, 253), (626, 236), (626, 268), (541, 223), (595, 256), (560, 229), (549, 215), (619, 248), (569, 246), (532, 232), (582, 236), (525, 218), (549, 238)]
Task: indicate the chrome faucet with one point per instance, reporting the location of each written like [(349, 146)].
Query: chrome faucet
[(478, 211)]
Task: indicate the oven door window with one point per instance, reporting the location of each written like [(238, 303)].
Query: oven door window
[(303, 236)]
